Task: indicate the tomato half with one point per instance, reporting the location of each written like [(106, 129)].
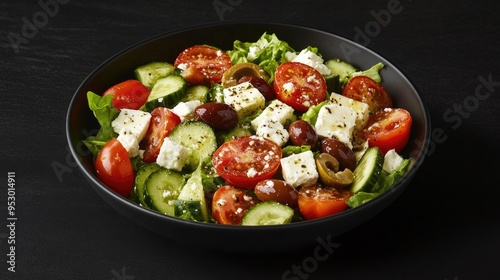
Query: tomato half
[(365, 89), (130, 94), (389, 129), (210, 61), (299, 85), (246, 160), (230, 204), (163, 121), (114, 168), (316, 201)]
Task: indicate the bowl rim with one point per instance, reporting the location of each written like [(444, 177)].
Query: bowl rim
[(92, 179)]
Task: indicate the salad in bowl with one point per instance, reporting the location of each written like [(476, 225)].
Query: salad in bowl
[(259, 134)]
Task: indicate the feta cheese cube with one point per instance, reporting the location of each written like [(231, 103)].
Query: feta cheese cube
[(172, 155), (244, 98), (299, 169), (336, 121), (133, 121), (273, 130), (129, 142), (185, 110), (392, 161), (360, 108), (309, 58), (276, 109)]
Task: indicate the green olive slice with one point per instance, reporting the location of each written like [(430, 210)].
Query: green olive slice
[(232, 75), (329, 174)]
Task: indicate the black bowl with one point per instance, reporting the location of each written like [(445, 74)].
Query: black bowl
[(80, 122)]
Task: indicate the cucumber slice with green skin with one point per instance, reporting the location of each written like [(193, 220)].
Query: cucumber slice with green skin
[(161, 188), (149, 73), (333, 84), (193, 193), (198, 137), (368, 170), (140, 180), (196, 92), (268, 213), (237, 131), (341, 68), (166, 92)]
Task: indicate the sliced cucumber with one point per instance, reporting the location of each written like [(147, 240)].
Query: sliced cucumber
[(333, 83), (198, 137), (161, 188), (196, 92), (237, 131), (341, 68), (167, 92), (140, 180), (368, 170), (149, 73), (191, 201), (268, 213)]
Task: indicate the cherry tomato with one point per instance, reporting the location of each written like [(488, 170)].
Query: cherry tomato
[(130, 94), (114, 168), (316, 201), (365, 89), (210, 61), (389, 129), (230, 204), (299, 86), (247, 160), (163, 121)]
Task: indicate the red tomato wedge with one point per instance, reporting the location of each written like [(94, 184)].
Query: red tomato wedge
[(316, 201), (247, 160), (365, 89), (388, 129), (230, 204), (209, 61), (163, 121), (114, 168), (299, 85), (130, 94)]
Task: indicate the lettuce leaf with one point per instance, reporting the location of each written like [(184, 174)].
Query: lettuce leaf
[(311, 115), (105, 113), (268, 52), (383, 184)]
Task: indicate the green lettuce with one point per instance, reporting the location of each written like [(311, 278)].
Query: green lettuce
[(311, 115), (105, 113), (383, 184), (268, 52), (372, 72)]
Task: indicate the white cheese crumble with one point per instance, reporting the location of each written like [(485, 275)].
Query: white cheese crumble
[(299, 169)]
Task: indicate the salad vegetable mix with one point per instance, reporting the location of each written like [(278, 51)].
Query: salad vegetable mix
[(261, 134)]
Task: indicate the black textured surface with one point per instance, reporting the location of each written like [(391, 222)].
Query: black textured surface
[(445, 225)]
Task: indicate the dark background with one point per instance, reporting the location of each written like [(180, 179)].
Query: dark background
[(445, 225)]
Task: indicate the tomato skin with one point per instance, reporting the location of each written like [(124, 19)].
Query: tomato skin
[(130, 94), (389, 129), (309, 87), (230, 204), (365, 89), (317, 202), (209, 61), (247, 160), (114, 168), (163, 121)]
